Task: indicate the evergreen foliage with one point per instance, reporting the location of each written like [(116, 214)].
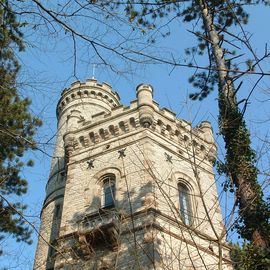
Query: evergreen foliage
[(17, 128), (248, 256)]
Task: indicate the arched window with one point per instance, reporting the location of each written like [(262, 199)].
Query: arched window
[(108, 191), (185, 204)]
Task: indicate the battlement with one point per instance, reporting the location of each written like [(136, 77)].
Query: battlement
[(124, 122), (105, 125), (106, 122), (90, 89)]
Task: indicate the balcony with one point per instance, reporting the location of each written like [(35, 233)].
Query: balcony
[(99, 231)]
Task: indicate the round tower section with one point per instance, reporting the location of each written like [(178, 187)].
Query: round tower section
[(77, 105), (90, 95)]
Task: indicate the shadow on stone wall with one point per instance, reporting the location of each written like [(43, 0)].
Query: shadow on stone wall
[(112, 236)]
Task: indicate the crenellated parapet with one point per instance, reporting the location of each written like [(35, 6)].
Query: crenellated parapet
[(95, 134), (89, 91), (125, 121)]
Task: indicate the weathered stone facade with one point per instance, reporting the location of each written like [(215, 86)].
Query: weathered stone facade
[(152, 157)]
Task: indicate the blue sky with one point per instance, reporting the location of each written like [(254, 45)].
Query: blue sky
[(47, 68)]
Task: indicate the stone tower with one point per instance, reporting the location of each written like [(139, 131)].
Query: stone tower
[(129, 187)]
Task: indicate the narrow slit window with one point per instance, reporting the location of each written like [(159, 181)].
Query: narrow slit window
[(57, 211)]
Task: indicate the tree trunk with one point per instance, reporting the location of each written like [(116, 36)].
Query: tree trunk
[(239, 155)]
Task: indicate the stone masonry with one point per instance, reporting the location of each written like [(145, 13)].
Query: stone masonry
[(154, 159)]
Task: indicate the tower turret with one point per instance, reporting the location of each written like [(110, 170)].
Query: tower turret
[(145, 104), (77, 104)]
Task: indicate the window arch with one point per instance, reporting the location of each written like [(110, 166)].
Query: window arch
[(185, 204), (108, 191)]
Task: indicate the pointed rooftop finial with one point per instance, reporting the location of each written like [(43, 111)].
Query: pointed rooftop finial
[(93, 73)]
